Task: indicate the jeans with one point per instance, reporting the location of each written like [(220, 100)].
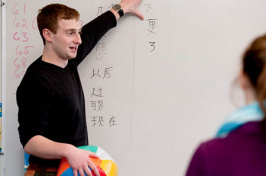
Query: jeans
[(36, 170), (40, 173)]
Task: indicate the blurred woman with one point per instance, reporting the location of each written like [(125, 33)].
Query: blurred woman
[(239, 148)]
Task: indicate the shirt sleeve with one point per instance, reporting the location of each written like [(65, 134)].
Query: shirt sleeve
[(34, 104), (92, 32), (197, 165)]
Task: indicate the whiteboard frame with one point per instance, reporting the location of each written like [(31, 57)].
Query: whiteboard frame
[(3, 78)]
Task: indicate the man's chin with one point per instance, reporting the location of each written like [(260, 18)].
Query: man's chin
[(72, 56)]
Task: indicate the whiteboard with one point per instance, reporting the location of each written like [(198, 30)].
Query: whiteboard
[(154, 89)]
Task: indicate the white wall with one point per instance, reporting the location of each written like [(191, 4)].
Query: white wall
[(164, 102), (1, 78)]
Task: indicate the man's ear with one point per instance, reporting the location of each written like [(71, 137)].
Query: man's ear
[(47, 34)]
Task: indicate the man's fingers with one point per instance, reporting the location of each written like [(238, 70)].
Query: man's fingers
[(93, 155), (93, 168), (81, 173), (88, 171), (140, 16), (75, 172)]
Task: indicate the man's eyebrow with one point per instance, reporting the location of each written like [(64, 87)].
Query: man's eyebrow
[(79, 30)]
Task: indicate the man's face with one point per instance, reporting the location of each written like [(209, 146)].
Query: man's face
[(67, 39)]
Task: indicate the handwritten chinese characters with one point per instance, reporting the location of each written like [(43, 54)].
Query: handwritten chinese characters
[(151, 22), (99, 117)]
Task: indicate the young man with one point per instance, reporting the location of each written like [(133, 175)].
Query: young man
[(50, 98)]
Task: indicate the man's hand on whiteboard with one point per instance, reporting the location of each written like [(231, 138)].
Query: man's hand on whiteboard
[(132, 6)]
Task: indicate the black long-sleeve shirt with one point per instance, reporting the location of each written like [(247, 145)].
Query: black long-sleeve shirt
[(50, 98)]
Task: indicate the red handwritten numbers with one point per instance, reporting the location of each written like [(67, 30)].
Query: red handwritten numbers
[(21, 37), (22, 47)]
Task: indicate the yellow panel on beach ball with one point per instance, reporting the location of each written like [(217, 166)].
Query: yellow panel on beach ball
[(109, 167)]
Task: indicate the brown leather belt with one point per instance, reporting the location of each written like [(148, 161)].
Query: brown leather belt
[(37, 167)]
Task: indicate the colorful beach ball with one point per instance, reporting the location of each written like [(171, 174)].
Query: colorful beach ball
[(105, 163)]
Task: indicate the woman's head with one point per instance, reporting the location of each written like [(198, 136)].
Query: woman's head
[(49, 16), (254, 67)]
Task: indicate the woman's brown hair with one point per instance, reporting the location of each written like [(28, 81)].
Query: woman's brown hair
[(254, 67)]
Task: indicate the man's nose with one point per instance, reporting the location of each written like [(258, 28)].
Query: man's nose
[(78, 39)]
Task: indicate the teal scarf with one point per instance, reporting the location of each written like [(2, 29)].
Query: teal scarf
[(250, 112)]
